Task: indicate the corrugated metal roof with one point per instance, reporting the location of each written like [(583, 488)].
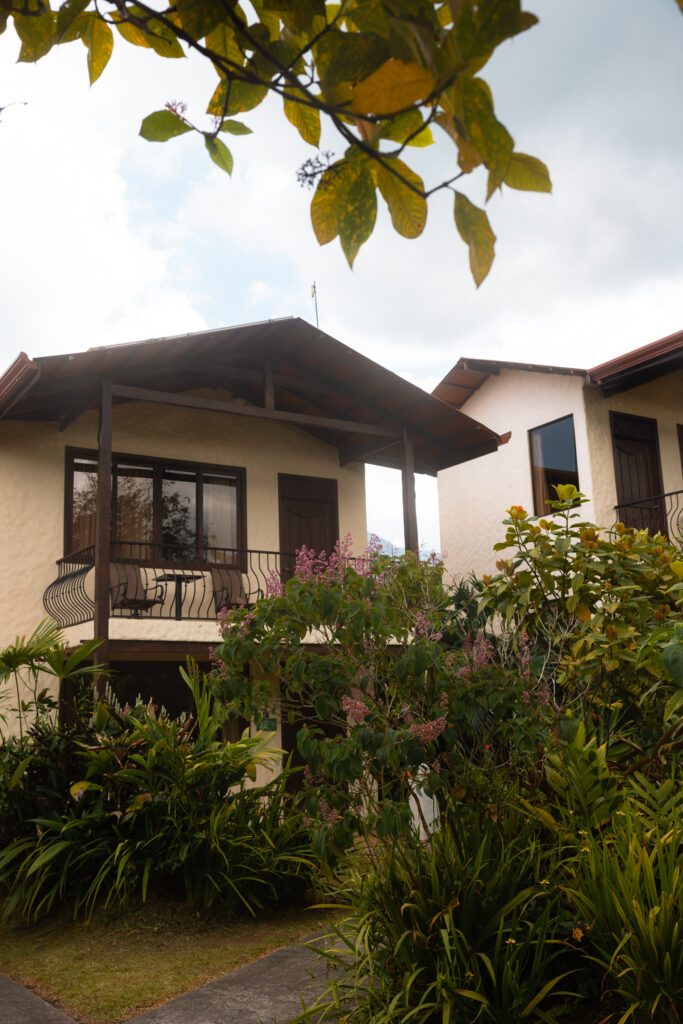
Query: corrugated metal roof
[(314, 375)]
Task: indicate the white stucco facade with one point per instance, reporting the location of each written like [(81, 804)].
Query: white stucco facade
[(474, 496)]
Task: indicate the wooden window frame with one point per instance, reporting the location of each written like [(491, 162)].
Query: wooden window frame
[(541, 426), (158, 466)]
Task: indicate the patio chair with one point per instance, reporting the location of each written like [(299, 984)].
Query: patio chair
[(228, 588), (128, 590)]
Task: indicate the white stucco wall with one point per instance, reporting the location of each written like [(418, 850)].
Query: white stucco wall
[(473, 497), (32, 471)]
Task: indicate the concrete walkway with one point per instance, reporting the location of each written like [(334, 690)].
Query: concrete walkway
[(269, 990)]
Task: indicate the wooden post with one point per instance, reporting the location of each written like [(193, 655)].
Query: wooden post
[(103, 532), (412, 542)]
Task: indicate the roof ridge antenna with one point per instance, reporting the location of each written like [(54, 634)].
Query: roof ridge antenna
[(314, 296)]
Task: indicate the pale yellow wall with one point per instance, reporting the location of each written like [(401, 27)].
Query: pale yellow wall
[(473, 497), (661, 400), (32, 495)]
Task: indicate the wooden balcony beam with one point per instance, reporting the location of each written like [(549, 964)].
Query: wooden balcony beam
[(255, 411)]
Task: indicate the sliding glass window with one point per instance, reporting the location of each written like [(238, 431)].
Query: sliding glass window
[(163, 512), (553, 460)]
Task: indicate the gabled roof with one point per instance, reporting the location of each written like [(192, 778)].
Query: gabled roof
[(313, 375), (468, 375), (626, 371)]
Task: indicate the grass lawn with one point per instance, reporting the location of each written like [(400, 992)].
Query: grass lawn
[(123, 963)]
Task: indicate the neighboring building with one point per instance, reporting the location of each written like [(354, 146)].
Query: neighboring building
[(616, 431), (143, 487)]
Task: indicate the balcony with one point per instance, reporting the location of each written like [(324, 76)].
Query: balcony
[(163, 581), (662, 513)]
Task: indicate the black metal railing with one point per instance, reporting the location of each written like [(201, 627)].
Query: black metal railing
[(662, 513), (167, 581)]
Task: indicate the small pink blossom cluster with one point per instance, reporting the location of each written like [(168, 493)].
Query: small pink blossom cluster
[(525, 655), (310, 779), (426, 732), (274, 585), (355, 710), (242, 628), (482, 651), (424, 628), (329, 815)]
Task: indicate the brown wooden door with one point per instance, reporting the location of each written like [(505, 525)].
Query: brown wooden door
[(309, 516), (637, 470)]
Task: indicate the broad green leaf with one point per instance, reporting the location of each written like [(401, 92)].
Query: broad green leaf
[(475, 230), (243, 96), (99, 39), (37, 35), (369, 16), (345, 204), (490, 137), (527, 173), (163, 125), (408, 209), (154, 35), (672, 656), (222, 41), (219, 153), (198, 17), (351, 57), (673, 704), (357, 212), (305, 119), (324, 205), (393, 86), (480, 30), (409, 123), (235, 127), (67, 15)]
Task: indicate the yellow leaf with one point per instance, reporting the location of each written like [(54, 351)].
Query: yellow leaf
[(474, 229), (99, 39), (305, 119), (527, 173), (583, 613), (324, 206), (345, 204), (393, 86), (408, 209)]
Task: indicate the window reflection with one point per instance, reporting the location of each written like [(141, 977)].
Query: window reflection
[(179, 515), (134, 516), (553, 460)]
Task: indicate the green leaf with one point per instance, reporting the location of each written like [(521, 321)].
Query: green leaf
[(408, 209), (305, 119), (405, 124), (219, 153), (674, 702), (37, 35), (491, 138), (67, 15), (235, 127), (152, 34), (527, 173), (345, 204), (672, 656), (243, 96), (163, 125), (351, 57), (356, 218), (475, 230), (99, 39)]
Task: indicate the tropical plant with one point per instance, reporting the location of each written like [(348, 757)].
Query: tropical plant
[(162, 804), (463, 928)]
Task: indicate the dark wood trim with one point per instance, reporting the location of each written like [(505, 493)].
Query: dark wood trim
[(679, 429), (411, 539), (540, 509), (158, 465), (347, 455), (159, 650), (258, 412), (268, 385), (103, 530)]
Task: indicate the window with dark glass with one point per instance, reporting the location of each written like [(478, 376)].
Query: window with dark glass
[(553, 460), (162, 511)]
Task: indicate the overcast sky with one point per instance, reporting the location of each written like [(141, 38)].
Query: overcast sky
[(107, 238)]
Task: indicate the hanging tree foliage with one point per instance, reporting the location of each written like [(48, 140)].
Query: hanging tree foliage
[(388, 75)]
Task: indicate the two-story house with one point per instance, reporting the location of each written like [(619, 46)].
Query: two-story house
[(615, 431), (146, 486)]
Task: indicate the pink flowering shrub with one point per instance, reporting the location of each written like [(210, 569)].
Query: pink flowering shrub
[(385, 707)]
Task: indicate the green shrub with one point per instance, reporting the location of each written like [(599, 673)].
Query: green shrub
[(463, 928), (164, 804)]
